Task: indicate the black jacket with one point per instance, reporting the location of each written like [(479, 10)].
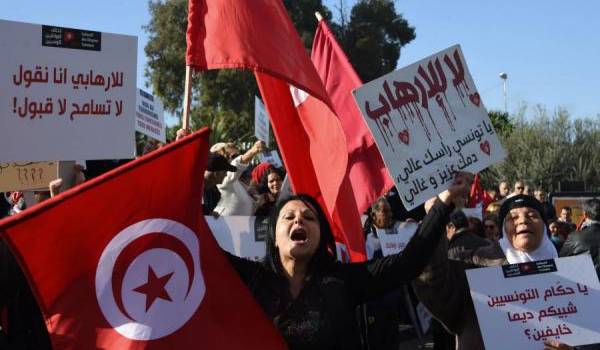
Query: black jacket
[(463, 243), (584, 241), (22, 323), (323, 314)]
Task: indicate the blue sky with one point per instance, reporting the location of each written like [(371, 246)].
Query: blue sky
[(549, 49)]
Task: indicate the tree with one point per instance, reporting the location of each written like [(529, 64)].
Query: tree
[(501, 122), (224, 99), (374, 36), (549, 149)]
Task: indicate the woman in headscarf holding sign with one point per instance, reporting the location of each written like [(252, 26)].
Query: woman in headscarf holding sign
[(443, 286)]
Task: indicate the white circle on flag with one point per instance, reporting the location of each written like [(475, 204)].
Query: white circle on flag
[(160, 284)]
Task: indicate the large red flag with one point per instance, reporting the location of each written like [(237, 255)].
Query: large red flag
[(366, 170), (127, 261), (259, 35)]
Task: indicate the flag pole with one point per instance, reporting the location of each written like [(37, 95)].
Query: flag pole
[(318, 15), (185, 119)]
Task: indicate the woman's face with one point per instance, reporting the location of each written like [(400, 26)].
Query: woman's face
[(297, 232), (554, 229), (274, 183), (524, 228), (492, 231), (382, 216)]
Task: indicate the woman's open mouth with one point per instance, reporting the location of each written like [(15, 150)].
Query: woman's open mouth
[(299, 236)]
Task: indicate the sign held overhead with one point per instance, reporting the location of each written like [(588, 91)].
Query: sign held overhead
[(429, 122), (69, 93)]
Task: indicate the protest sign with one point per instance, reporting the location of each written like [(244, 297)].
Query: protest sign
[(237, 235), (149, 116), (519, 306), (261, 121), (429, 122), (394, 240), (66, 93), (19, 176), (476, 212), (271, 157)]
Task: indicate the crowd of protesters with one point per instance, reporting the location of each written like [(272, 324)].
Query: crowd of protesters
[(236, 183)]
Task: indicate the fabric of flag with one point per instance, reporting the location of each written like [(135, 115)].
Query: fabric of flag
[(367, 173), (127, 261), (259, 35), (477, 195)]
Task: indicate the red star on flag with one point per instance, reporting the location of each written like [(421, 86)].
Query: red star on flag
[(154, 287)]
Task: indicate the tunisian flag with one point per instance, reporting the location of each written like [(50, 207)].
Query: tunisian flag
[(126, 261), (259, 35), (366, 170), (478, 196)]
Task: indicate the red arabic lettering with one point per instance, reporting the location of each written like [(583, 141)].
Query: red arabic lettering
[(458, 71)]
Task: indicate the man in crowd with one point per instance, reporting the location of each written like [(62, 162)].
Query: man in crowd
[(586, 241), (519, 188), (566, 214), (461, 240), (547, 207), (503, 190)]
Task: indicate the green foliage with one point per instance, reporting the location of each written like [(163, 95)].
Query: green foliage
[(224, 99), (165, 51), (501, 122), (374, 36), (302, 14), (549, 149)]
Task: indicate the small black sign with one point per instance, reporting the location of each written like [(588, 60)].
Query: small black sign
[(71, 38), (146, 95), (261, 226), (529, 268)]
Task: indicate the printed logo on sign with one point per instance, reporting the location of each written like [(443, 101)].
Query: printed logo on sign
[(529, 268), (71, 38), (148, 281)]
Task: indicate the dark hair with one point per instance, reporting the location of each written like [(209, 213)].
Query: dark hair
[(263, 186), (476, 226), (592, 209), (493, 218), (325, 254), (458, 219), (379, 203), (567, 208)]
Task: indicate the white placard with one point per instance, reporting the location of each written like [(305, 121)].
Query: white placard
[(271, 157), (394, 240), (149, 116), (476, 212), (429, 122), (261, 121), (66, 93), (521, 312), (237, 235)]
